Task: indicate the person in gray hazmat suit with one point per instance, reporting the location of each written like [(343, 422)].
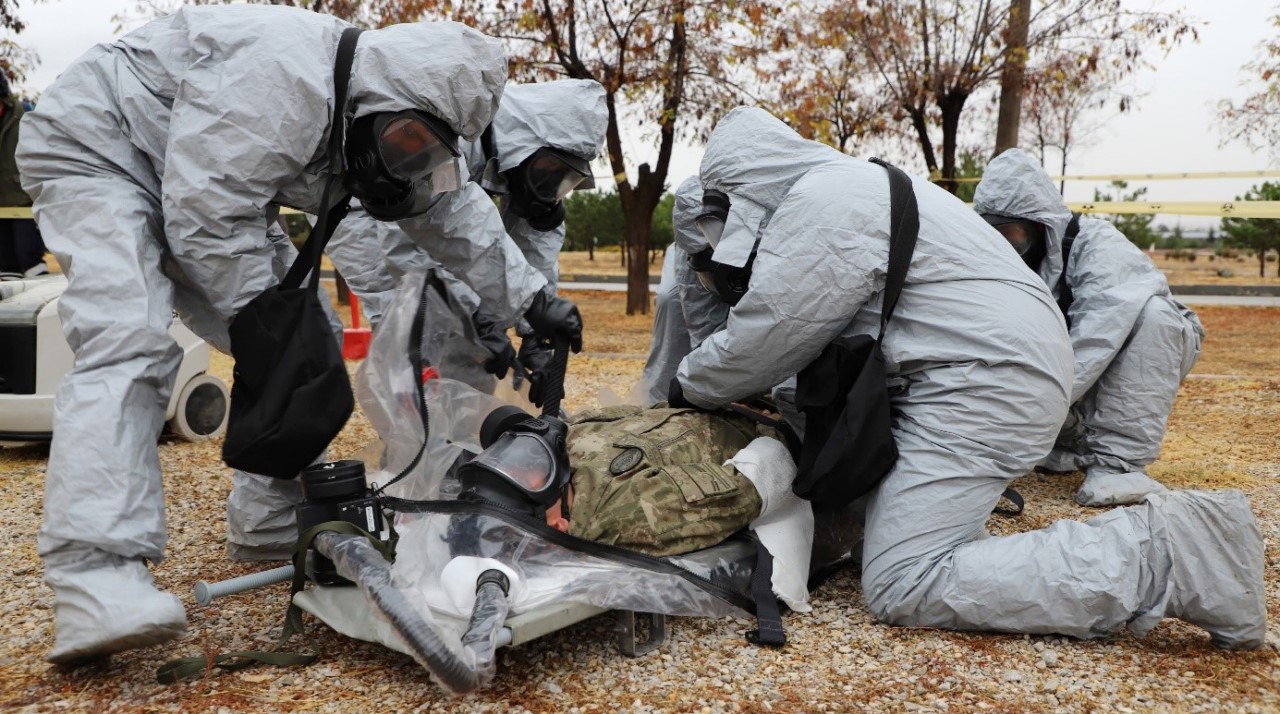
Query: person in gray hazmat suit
[(1133, 342), (685, 312), (542, 140), (544, 136), (980, 364), (156, 164)]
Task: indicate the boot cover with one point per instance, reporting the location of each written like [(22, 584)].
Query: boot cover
[(1101, 488), (106, 603), (1211, 558)]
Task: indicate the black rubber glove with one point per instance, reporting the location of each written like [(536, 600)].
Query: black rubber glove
[(535, 355), (675, 396), (493, 338), (551, 316)]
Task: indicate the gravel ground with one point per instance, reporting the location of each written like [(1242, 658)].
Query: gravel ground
[(1222, 433)]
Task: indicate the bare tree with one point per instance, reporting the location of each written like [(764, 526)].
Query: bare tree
[(814, 79), (1064, 101), (1256, 120), (932, 56)]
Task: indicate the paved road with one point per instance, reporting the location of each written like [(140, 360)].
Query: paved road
[(1246, 300)]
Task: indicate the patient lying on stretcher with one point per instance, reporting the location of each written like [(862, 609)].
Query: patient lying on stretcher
[(663, 481)]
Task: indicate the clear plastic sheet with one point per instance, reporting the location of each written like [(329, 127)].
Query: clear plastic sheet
[(548, 573), (458, 396), (541, 572)]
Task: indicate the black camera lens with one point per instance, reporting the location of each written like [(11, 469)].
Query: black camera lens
[(333, 480)]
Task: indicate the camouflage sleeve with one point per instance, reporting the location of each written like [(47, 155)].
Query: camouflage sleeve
[(654, 481)]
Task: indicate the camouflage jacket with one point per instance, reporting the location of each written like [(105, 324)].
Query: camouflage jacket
[(652, 480)]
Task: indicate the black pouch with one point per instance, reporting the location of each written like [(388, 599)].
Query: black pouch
[(291, 394), (848, 444)]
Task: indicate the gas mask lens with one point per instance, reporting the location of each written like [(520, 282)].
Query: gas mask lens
[(551, 174), (711, 227), (703, 267), (412, 148), (523, 459), (715, 211)]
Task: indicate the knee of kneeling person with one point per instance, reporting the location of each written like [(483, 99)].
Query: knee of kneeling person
[(887, 603), (1160, 316)]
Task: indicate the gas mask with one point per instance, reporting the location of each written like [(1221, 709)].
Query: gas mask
[(524, 466), (1026, 237), (390, 154), (537, 187), (727, 281)]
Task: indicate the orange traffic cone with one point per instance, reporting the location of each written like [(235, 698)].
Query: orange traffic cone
[(355, 339)]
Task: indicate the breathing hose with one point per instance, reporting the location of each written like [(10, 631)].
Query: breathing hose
[(458, 669)]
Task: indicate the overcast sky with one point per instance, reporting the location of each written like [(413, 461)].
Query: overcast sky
[(1173, 128)]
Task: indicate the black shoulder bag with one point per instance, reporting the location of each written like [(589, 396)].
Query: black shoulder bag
[(848, 443), (291, 394)]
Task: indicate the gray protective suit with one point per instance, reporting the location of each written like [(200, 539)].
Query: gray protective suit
[(1133, 342), (686, 313), (155, 164), (464, 233), (981, 363), (567, 114)]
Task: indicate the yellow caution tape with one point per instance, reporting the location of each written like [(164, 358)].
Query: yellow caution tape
[(1185, 175), (1220, 209), (25, 211), (1224, 209)]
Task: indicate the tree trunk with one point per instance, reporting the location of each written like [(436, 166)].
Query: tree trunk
[(1011, 75), (1262, 263), (591, 249), (1062, 184), (920, 123), (951, 106), (638, 214)]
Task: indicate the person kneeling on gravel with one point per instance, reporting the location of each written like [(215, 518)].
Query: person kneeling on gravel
[(981, 366), (1133, 342)]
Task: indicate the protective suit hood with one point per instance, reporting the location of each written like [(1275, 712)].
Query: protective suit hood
[(687, 207), (447, 69), (1015, 185), (568, 114), (755, 158)]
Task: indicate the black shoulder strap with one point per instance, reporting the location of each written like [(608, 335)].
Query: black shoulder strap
[(904, 228), (331, 211), (769, 631), (1064, 288), (488, 146)]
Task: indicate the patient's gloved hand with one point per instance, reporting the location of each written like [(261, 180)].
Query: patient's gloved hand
[(493, 338), (675, 396)]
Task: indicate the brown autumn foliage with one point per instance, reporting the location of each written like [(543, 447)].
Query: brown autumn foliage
[(930, 59)]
